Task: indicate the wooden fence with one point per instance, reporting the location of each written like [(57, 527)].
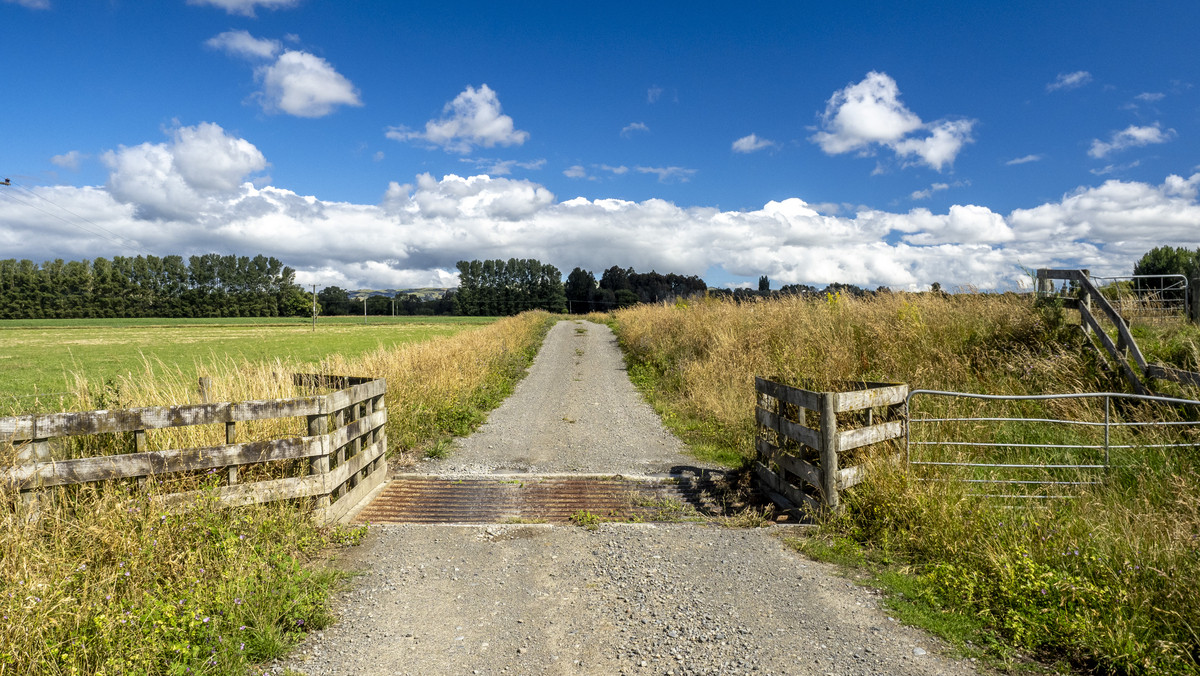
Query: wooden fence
[(1125, 348), (344, 447), (802, 442)]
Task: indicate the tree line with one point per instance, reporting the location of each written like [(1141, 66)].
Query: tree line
[(333, 300), (209, 285), (495, 287), (213, 285), (621, 287)]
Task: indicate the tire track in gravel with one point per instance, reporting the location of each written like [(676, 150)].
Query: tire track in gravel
[(618, 599)]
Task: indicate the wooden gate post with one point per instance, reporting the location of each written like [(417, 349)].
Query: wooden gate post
[(319, 425), (829, 450)]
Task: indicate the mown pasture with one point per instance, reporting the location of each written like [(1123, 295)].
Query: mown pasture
[(42, 362)]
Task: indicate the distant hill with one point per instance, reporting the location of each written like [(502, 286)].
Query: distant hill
[(425, 293)]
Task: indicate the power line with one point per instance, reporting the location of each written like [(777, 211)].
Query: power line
[(103, 233)]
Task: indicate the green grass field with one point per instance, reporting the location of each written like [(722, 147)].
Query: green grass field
[(41, 357)]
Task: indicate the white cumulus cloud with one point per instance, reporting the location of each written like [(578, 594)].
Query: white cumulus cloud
[(1073, 80), (751, 143), (1024, 159), (928, 192), (245, 7), (244, 45), (304, 85), (628, 129), (869, 114), (472, 119), (1132, 136), (69, 160), (295, 82), (186, 178)]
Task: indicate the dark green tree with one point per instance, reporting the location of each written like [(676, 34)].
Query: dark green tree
[(1167, 260), (581, 291), (496, 287), (334, 301)]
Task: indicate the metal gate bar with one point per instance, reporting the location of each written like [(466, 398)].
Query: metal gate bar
[(1108, 425)]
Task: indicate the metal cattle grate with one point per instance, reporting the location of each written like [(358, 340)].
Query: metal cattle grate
[(411, 498)]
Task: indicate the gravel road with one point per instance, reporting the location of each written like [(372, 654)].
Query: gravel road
[(616, 599), (575, 411)]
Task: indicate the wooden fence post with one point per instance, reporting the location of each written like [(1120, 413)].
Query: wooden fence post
[(829, 450), (318, 425), (205, 387), (342, 419), (1086, 301), (1045, 285), (139, 446), (379, 436), (34, 453), (368, 409), (231, 439)]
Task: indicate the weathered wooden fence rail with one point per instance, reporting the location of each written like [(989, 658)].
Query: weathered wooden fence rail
[(345, 447), (801, 445)]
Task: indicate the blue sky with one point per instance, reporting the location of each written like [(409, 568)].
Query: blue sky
[(373, 144)]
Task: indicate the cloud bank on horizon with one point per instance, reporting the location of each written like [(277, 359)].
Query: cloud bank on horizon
[(197, 192), (454, 175)]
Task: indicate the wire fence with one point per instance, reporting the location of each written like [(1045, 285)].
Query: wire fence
[(1040, 446)]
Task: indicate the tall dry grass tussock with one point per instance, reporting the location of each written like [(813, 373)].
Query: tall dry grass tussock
[(705, 355), (1106, 580)]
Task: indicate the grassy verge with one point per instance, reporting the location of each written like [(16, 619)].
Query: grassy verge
[(106, 583), (1103, 581)]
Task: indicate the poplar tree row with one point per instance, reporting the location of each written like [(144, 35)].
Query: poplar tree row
[(622, 287), (495, 287), (210, 285)]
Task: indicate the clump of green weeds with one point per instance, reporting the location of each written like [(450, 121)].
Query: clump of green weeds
[(107, 582), (439, 448), (586, 519), (1101, 580)]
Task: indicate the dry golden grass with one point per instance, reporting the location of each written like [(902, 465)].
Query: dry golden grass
[(107, 582), (708, 352), (1107, 580)]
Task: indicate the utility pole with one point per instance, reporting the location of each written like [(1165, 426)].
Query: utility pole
[(314, 308), (365, 309)]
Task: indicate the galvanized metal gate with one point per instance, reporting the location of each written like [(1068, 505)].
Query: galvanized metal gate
[(1026, 451), (1147, 296)]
